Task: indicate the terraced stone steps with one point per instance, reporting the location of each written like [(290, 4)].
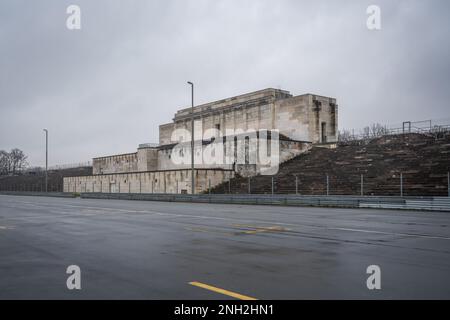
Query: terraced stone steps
[(423, 162)]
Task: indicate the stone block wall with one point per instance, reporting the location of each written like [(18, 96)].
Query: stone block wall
[(306, 117), (169, 181), (147, 159), (116, 163)]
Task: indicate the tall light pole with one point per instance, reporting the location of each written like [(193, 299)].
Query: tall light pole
[(46, 160), (192, 138)]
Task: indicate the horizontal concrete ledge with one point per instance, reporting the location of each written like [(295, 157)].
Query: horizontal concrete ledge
[(39, 194), (407, 203)]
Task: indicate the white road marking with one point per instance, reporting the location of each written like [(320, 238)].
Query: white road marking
[(394, 233)]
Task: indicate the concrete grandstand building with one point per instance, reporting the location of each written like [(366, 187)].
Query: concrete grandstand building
[(245, 135)]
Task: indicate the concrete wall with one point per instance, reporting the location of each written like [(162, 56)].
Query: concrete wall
[(299, 117), (147, 159), (247, 161), (165, 133), (325, 110), (288, 150), (116, 163), (171, 181)]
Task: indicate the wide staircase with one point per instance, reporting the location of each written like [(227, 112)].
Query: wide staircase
[(405, 164)]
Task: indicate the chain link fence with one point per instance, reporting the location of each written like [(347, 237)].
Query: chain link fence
[(34, 181)]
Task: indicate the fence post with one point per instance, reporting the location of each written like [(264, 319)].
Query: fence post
[(229, 186), (209, 186), (328, 186), (401, 184), (272, 185), (362, 185), (448, 184), (249, 186), (176, 192), (101, 186), (296, 185)]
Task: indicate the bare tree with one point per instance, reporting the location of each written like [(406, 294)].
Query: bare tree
[(345, 136), (18, 160), (377, 130), (366, 134), (5, 162), (12, 162)]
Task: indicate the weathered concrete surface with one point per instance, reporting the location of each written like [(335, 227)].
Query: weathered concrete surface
[(297, 117), (170, 181), (152, 250)]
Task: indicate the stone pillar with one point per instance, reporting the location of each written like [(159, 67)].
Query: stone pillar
[(244, 115), (259, 118), (223, 123), (272, 112)]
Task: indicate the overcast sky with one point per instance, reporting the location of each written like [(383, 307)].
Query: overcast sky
[(105, 88)]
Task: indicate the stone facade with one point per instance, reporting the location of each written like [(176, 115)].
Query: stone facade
[(117, 163), (307, 117), (249, 134), (170, 181)]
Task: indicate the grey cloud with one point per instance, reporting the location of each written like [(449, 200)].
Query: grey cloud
[(107, 87)]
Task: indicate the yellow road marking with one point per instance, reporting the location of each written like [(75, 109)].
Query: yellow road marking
[(222, 291), (208, 230), (252, 229), (257, 229)]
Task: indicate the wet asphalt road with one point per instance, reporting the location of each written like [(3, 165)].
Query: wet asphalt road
[(153, 250)]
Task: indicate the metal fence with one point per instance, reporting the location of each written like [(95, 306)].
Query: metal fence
[(70, 165), (409, 203), (399, 203), (30, 187), (436, 128), (398, 184)]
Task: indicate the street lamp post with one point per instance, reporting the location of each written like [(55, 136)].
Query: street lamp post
[(192, 138), (46, 160)]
